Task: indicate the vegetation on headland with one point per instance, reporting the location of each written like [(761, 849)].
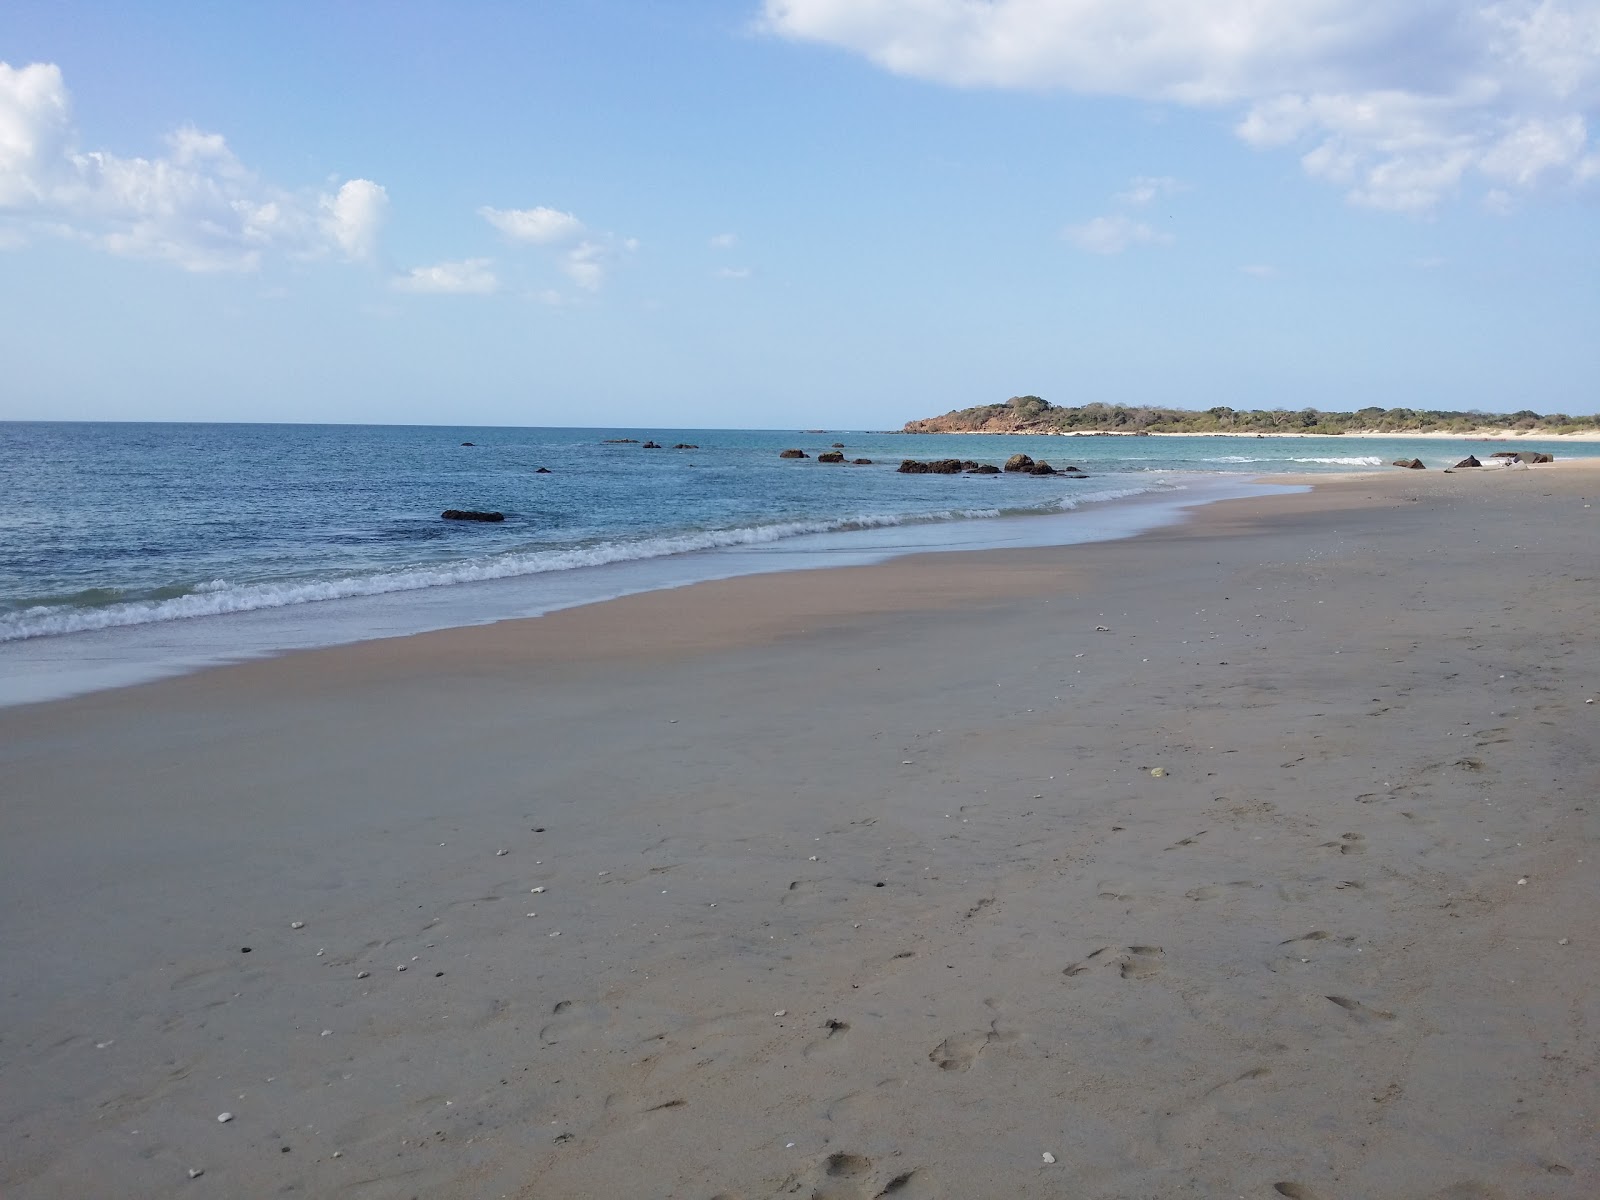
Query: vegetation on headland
[(1030, 414)]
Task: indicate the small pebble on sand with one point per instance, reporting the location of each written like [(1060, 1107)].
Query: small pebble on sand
[(224, 1117), (1048, 1157), (196, 1172), (782, 1012), (536, 890), (363, 974), (297, 924)]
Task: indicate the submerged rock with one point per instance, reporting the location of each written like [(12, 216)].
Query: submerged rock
[(651, 446), (465, 514), (830, 456), (862, 462), (940, 466), (793, 454)]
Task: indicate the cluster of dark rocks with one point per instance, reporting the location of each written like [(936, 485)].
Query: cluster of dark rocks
[(1016, 464), (1471, 460), (467, 514)]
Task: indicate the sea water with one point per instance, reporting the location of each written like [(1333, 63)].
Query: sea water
[(128, 551)]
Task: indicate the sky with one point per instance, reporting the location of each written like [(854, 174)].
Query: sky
[(794, 213)]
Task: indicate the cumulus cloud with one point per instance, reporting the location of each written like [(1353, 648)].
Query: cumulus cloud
[(195, 205), (470, 277), (1399, 102), (1113, 234), (724, 241), (539, 226)]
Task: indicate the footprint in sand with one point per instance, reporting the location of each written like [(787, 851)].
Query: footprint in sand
[(571, 1019), (844, 1176), (1347, 843), (1130, 962), (832, 1041), (1295, 1191), (959, 1052)]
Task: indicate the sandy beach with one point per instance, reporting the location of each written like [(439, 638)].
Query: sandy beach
[(1252, 857)]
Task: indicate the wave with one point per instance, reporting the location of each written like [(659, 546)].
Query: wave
[(1365, 460), (218, 597)]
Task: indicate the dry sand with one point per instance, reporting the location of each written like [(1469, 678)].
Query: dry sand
[(876, 882)]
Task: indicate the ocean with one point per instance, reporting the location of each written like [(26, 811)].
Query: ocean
[(130, 551)]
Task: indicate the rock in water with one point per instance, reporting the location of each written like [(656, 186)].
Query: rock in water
[(1019, 462), (466, 514), (793, 454), (830, 456), (1412, 464), (1468, 461)]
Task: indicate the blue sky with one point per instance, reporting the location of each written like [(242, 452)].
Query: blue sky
[(791, 213)]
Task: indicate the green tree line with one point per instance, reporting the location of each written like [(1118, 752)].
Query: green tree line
[(1036, 415)]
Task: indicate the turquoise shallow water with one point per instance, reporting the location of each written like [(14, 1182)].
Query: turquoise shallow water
[(186, 538)]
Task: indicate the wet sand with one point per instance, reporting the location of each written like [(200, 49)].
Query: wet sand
[(1254, 857)]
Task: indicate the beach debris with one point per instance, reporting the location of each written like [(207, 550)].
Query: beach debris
[(1048, 1157), (782, 1012), (326, 1033), (555, 933), (196, 1172), (1589, 701), (224, 1118), (533, 914), (537, 890), (906, 762), (244, 949), (297, 924), (1523, 881), (1159, 772), (1102, 629), (501, 853), (1563, 941)]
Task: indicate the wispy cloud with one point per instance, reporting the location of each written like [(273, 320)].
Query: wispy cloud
[(724, 241), (196, 205), (1398, 104), (1259, 271), (1113, 234), (1144, 189), (734, 273), (469, 277), (536, 226)]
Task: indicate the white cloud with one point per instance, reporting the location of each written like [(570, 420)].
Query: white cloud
[(734, 273), (724, 241), (1400, 102), (353, 216), (470, 277), (1144, 189), (1259, 271), (585, 265), (195, 205), (1113, 234), (540, 226)]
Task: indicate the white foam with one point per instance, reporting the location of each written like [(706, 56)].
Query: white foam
[(218, 597)]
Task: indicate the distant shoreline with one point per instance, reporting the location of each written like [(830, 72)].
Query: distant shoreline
[(1473, 435)]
